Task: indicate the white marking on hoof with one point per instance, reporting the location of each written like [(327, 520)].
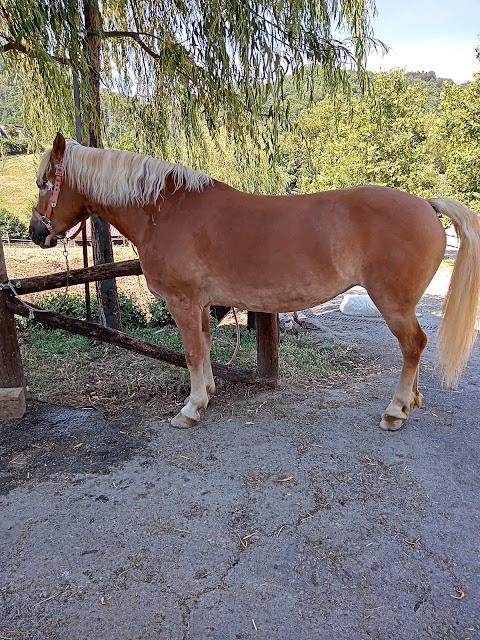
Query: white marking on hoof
[(182, 422), (210, 393)]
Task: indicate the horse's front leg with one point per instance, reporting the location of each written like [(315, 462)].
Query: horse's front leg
[(189, 322), (207, 363)]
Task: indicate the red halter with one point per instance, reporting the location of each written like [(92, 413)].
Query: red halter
[(59, 172)]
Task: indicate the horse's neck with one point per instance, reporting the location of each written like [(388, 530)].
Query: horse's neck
[(130, 220), (135, 221)]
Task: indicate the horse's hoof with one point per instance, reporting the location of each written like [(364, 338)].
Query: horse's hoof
[(182, 422), (389, 423)]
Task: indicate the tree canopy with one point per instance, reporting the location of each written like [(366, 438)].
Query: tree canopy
[(459, 134), (184, 63), (375, 139)]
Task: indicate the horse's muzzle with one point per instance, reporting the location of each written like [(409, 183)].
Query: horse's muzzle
[(39, 234)]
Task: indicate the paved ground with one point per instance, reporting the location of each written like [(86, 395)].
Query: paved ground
[(286, 515)]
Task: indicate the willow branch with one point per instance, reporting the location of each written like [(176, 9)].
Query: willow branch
[(16, 46), (134, 36)]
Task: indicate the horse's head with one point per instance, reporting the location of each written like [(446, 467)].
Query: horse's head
[(59, 207)]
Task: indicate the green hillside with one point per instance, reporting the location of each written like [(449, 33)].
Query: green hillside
[(18, 191)]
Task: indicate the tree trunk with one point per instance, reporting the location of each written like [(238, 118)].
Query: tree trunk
[(107, 297)]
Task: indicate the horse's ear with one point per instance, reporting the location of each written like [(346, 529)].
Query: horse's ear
[(58, 148)]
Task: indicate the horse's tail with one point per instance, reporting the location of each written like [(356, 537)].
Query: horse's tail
[(457, 330)]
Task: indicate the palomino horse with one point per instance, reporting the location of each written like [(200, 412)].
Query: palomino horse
[(203, 243)]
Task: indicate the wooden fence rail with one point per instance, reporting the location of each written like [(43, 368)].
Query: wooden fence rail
[(77, 276), (120, 339)]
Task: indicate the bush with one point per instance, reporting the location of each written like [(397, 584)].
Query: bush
[(11, 225), (132, 314), (69, 304), (11, 131), (13, 147), (73, 305), (160, 315)]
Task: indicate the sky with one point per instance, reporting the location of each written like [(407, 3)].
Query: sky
[(428, 35)]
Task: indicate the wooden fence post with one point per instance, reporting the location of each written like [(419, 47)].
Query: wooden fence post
[(267, 348), (12, 379)]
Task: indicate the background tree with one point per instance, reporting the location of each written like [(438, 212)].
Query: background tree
[(183, 62), (11, 226), (374, 139), (186, 63), (459, 136), (432, 83)]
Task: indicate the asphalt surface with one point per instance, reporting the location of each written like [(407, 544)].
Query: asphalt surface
[(285, 515)]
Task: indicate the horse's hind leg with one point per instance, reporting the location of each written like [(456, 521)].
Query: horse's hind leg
[(418, 396), (189, 323), (207, 363), (412, 341)]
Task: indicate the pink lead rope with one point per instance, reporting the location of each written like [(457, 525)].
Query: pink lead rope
[(232, 359)]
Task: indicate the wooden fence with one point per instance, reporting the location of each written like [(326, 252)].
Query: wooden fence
[(12, 378)]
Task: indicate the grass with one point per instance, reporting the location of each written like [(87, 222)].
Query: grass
[(68, 369), (18, 190)]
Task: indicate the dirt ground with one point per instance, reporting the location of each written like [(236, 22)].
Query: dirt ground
[(285, 515), (29, 261)]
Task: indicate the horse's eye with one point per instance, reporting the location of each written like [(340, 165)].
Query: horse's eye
[(44, 187)]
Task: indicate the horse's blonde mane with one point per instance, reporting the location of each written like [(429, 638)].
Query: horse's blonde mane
[(113, 177)]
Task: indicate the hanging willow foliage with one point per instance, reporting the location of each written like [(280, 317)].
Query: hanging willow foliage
[(183, 67)]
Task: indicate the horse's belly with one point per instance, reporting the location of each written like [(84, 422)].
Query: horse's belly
[(280, 298)]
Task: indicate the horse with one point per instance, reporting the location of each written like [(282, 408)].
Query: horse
[(201, 242)]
